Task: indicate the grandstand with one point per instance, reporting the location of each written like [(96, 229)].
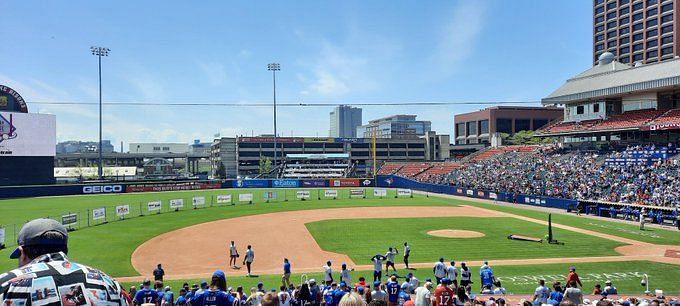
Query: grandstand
[(336, 165)]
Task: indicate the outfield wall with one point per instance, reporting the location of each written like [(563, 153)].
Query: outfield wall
[(122, 187)]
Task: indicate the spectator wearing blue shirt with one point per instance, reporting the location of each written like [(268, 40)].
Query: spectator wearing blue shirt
[(338, 293), (556, 294), (285, 279), (146, 294), (168, 297), (403, 295), (393, 289), (181, 300), (486, 275), (215, 295)]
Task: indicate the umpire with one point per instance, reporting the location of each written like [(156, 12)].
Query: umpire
[(44, 267)]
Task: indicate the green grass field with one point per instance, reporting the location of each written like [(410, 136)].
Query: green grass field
[(332, 235), (109, 246)]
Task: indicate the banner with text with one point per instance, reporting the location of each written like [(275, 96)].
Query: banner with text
[(99, 213), (122, 210), (302, 194), (404, 192), (176, 203), (380, 192), (223, 198), (355, 193), (330, 193), (245, 197), (154, 205), (69, 219), (198, 201)]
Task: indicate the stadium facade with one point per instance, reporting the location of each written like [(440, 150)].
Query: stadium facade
[(618, 102), (644, 31), (242, 155)]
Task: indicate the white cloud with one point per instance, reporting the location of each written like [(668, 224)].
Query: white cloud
[(214, 72), (328, 84), (459, 36)]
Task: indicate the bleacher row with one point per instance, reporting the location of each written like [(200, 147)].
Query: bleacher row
[(626, 120), (428, 170)]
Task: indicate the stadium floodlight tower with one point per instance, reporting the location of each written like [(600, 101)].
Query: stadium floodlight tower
[(274, 67), (99, 52)]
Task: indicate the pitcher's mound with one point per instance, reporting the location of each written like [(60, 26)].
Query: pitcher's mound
[(449, 233)]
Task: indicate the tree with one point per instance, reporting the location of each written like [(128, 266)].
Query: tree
[(265, 164), (221, 171), (525, 138)]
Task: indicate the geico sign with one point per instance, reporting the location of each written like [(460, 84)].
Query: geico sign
[(103, 189)]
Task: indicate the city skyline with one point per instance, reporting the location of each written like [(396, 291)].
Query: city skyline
[(344, 53)]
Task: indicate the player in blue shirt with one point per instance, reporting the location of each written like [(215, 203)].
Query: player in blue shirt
[(146, 294), (486, 275), (338, 293), (285, 279), (215, 295), (393, 289)]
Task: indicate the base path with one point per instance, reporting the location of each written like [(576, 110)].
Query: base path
[(273, 237)]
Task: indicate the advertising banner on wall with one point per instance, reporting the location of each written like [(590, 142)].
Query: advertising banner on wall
[(404, 192), (223, 198), (356, 193), (27, 134), (99, 213), (270, 195), (330, 193), (366, 182), (172, 186), (380, 192), (198, 201), (176, 203), (154, 205), (285, 183), (313, 183), (345, 182), (250, 183), (245, 197), (69, 219), (122, 210), (302, 194)]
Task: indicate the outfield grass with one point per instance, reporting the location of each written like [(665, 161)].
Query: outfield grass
[(379, 234), (516, 279), (626, 230)]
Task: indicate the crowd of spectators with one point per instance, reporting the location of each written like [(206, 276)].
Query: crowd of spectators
[(559, 173)]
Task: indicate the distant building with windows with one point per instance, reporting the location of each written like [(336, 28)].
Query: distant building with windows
[(477, 127), (344, 121), (73, 146), (395, 127), (644, 31)]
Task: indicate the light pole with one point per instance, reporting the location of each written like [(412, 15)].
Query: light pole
[(274, 67), (99, 52)]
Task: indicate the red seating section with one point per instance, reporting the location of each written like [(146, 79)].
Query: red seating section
[(569, 126), (671, 116), (490, 152), (628, 119), (389, 168), (413, 169)]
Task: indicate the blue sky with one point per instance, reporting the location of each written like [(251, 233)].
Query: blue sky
[(330, 52)]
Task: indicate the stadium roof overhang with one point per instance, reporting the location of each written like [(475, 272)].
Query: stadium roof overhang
[(615, 79)]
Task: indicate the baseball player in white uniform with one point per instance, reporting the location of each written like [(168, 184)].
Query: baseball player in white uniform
[(328, 273), (465, 275), (389, 261), (248, 259), (407, 253), (439, 270), (233, 254), (452, 274), (344, 275)]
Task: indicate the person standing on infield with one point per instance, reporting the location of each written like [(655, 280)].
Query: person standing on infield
[(285, 279), (439, 270), (407, 253), (328, 273), (389, 262), (248, 259), (233, 254), (465, 275), (377, 266), (158, 273), (452, 274)]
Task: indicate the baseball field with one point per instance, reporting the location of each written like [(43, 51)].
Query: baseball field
[(191, 243)]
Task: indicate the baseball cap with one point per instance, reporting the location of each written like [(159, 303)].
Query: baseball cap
[(343, 284), (376, 283), (32, 232), (445, 280), (219, 274)]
